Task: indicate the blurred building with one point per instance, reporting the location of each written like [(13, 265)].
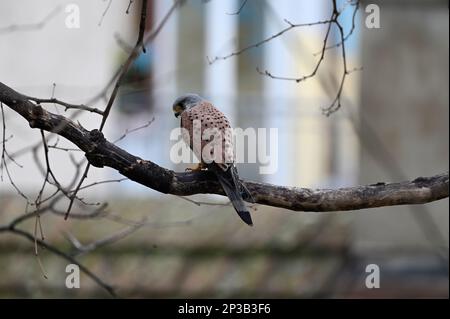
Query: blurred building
[(403, 131), (393, 126)]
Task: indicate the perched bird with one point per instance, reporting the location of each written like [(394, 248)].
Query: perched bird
[(215, 147)]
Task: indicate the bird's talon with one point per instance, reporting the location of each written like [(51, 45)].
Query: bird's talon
[(198, 168)]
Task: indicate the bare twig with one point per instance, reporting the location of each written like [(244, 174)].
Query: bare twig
[(60, 253), (240, 8), (316, 68), (152, 35), (31, 26), (66, 105), (108, 240), (3, 164), (133, 55), (264, 41), (128, 131), (333, 20), (200, 203), (352, 29), (122, 43), (121, 72), (128, 7), (104, 13)]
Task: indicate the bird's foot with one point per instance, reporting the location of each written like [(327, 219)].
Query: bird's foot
[(198, 168)]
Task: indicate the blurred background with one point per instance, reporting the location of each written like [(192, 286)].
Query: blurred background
[(393, 126)]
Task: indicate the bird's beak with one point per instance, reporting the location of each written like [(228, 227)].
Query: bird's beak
[(177, 110)]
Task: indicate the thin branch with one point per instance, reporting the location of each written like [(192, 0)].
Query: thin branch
[(240, 8), (75, 192), (152, 35), (66, 105), (62, 254), (264, 41), (2, 160), (200, 203), (104, 13), (129, 5), (3, 164), (122, 43), (108, 240), (334, 20), (31, 26), (121, 72), (119, 180), (102, 94), (128, 131), (349, 34), (133, 55), (316, 68)]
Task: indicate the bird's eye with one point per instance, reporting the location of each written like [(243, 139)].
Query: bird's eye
[(177, 109)]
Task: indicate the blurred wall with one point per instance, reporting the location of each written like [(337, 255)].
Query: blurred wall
[(404, 120), (41, 51), (188, 250)]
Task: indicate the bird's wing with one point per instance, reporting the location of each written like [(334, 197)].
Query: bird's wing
[(213, 131), (216, 144)]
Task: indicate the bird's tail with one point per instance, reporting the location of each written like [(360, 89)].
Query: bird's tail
[(231, 185)]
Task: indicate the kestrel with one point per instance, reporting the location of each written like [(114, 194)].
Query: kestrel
[(207, 131)]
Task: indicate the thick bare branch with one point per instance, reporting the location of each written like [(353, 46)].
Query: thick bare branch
[(101, 152)]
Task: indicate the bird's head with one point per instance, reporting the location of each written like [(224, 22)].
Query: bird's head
[(185, 102)]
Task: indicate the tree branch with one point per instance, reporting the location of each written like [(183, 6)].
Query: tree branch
[(66, 105), (32, 26), (62, 254), (101, 152)]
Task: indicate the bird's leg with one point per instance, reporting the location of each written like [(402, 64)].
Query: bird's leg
[(199, 167)]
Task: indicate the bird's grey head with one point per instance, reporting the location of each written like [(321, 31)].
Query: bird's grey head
[(185, 102)]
